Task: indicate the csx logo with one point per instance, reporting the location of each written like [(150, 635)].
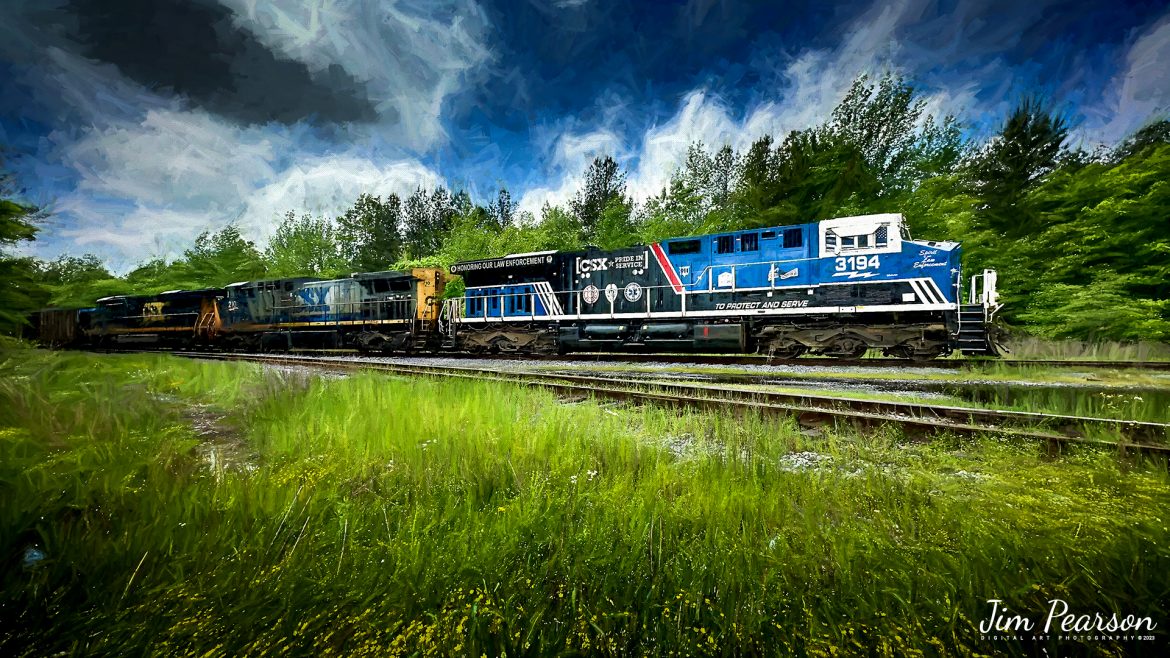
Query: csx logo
[(592, 264)]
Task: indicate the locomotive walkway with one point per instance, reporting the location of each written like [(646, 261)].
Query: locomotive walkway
[(918, 419)]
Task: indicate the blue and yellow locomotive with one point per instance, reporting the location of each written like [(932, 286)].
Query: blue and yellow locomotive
[(375, 311), (836, 287)]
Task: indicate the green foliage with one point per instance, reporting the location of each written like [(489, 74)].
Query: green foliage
[(1148, 137), (15, 224), (615, 229), (369, 233), (876, 149), (429, 216), (304, 246), (558, 229), (879, 123), (76, 281), (218, 259), (1028, 147), (1102, 308), (675, 212), (469, 240), (503, 210), (21, 292), (1104, 249)]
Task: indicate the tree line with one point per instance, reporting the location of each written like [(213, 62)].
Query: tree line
[(1081, 239)]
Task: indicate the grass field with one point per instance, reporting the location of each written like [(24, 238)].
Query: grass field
[(157, 505), (1027, 347)]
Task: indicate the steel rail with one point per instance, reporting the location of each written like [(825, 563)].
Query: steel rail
[(745, 359), (759, 359), (810, 409)]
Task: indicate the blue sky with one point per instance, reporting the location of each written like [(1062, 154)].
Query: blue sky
[(140, 123)]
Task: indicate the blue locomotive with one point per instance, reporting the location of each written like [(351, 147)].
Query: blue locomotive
[(836, 287)]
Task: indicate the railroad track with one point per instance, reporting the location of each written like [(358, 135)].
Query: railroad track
[(809, 409), (757, 359)]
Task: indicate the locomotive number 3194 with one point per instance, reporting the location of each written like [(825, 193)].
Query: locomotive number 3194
[(854, 263)]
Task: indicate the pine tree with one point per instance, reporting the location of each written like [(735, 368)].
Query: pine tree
[(1027, 147), (604, 182)]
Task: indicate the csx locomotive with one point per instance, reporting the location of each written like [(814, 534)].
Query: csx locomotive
[(837, 287), (393, 311)]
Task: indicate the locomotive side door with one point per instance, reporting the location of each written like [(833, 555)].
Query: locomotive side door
[(427, 292)]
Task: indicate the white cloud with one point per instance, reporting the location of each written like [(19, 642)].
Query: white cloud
[(327, 186), (148, 188), (1140, 93), (701, 118), (568, 156), (176, 158), (810, 86), (410, 55), (151, 174)]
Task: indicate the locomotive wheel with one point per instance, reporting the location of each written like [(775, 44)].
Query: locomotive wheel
[(847, 347), (790, 351), (375, 345), (900, 352), (915, 354), (504, 345)]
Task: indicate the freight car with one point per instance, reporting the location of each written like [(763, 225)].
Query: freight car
[(56, 327), (836, 287)]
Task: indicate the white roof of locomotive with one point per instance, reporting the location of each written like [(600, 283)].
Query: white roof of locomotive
[(861, 224)]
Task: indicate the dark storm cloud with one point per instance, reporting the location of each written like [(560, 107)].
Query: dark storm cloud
[(191, 48), (561, 56)]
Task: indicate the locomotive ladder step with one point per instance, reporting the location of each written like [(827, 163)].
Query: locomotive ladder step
[(972, 338)]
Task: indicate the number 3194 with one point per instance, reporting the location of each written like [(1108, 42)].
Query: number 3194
[(851, 263)]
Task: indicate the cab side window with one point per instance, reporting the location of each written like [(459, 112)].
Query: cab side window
[(794, 238), (725, 244)]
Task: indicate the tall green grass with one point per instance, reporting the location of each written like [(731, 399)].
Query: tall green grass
[(1027, 347), (188, 508)]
